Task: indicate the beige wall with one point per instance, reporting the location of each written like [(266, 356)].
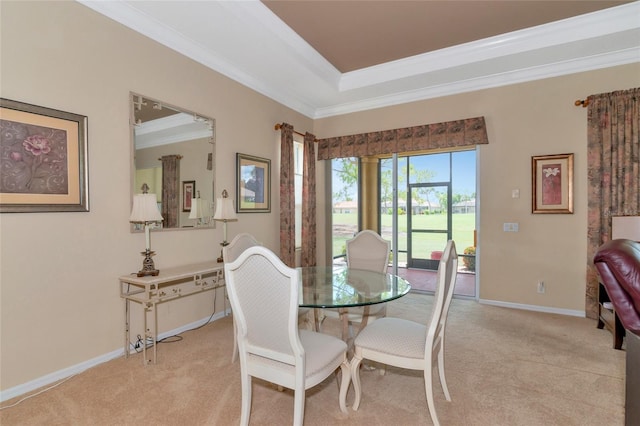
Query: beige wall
[(60, 303), (59, 299), (523, 120)]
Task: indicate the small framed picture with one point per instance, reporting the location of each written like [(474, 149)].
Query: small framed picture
[(44, 159), (188, 192), (253, 184), (552, 183)]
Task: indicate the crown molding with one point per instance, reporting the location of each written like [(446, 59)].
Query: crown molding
[(607, 60), (288, 70), (588, 26)]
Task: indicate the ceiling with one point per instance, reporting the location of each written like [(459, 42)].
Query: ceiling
[(392, 30), (324, 58)]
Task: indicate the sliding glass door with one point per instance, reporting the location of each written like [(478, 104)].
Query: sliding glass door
[(435, 203), (421, 203)]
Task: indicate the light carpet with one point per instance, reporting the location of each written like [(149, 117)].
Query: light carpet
[(503, 367)]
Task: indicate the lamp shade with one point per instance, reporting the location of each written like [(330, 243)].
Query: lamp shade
[(225, 210), (198, 208), (145, 209)]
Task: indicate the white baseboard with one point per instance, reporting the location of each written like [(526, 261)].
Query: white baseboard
[(79, 368), (536, 308)]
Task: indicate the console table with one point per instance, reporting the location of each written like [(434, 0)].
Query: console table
[(169, 284)]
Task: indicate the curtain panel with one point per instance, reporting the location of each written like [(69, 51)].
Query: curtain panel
[(308, 255), (613, 169), (287, 197), (170, 189), (459, 133)]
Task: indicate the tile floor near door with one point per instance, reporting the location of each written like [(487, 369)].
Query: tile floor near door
[(423, 280)]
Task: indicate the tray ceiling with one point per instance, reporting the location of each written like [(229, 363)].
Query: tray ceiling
[(324, 58)]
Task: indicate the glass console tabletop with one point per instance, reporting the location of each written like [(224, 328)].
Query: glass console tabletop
[(342, 287)]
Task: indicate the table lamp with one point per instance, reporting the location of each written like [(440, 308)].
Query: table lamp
[(145, 211), (224, 213), (199, 210)]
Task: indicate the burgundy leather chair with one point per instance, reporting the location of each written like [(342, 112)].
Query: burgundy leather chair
[(618, 264)]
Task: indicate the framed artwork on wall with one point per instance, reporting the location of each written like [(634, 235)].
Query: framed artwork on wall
[(253, 184), (188, 192), (552, 183), (43, 155)]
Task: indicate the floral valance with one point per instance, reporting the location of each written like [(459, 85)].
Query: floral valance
[(459, 133)]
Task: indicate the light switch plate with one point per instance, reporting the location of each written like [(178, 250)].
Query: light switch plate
[(510, 227)]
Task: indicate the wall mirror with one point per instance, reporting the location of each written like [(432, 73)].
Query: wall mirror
[(174, 154)]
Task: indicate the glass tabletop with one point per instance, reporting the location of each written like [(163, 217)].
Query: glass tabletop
[(342, 287)]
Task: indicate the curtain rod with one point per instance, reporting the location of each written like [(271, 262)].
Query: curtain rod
[(583, 102), (278, 126)]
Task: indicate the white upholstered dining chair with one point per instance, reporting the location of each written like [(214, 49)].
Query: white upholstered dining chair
[(271, 345), (230, 253), (407, 344), (238, 244), (368, 251)]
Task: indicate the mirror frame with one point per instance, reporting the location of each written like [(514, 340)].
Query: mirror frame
[(135, 98)]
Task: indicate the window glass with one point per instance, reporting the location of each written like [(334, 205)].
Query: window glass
[(344, 191)]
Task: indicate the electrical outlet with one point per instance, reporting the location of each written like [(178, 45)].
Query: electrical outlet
[(540, 286)]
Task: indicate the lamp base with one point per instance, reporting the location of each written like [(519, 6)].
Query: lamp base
[(221, 258), (148, 267)]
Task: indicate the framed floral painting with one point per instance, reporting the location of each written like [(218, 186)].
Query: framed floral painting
[(552, 183), (43, 159)]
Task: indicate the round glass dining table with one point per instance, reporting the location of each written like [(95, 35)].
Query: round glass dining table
[(343, 287)]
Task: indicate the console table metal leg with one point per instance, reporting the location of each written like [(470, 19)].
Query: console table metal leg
[(146, 333), (155, 333), (150, 334), (127, 321)]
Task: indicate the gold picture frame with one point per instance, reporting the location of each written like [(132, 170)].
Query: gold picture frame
[(44, 159), (253, 184), (552, 183)]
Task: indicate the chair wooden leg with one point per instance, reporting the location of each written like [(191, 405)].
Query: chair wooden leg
[(443, 380), (234, 355), (355, 376), (428, 387), (298, 407), (245, 411)]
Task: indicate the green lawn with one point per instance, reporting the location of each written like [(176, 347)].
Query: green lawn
[(423, 243)]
